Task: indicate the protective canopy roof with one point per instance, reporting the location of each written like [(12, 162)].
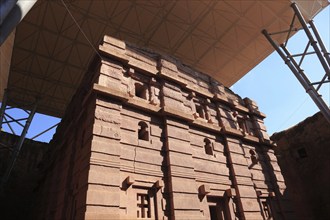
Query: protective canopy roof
[(57, 39)]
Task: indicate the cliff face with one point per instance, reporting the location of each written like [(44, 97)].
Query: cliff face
[(20, 192), (303, 155)]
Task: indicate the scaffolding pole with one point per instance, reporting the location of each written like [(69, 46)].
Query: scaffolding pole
[(326, 54), (3, 108), (17, 147), (295, 67), (312, 41)]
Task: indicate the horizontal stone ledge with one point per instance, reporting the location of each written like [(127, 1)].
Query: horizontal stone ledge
[(183, 175), (172, 75), (224, 99), (151, 162), (114, 42), (217, 157), (206, 125), (253, 215), (177, 150), (221, 97), (101, 216), (258, 113), (136, 102), (239, 107), (251, 138), (170, 64), (108, 105), (216, 183), (171, 112), (228, 101), (233, 131), (142, 66), (200, 90), (104, 163), (96, 182), (110, 91), (143, 104), (189, 118), (141, 171), (152, 145), (242, 181), (106, 132), (108, 50)]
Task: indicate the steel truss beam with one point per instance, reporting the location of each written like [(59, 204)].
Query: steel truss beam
[(24, 123), (17, 147), (315, 43)]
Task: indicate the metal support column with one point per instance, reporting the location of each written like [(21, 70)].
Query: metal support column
[(326, 54), (295, 66), (312, 41), (3, 108), (17, 147)]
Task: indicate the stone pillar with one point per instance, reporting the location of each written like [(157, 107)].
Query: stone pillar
[(103, 194), (183, 190), (247, 202), (257, 120)]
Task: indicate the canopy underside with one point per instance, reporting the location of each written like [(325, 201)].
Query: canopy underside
[(57, 39)]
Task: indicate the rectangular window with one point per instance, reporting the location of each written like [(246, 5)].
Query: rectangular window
[(200, 111), (213, 212), (143, 206), (218, 208), (141, 91), (242, 125), (266, 208)]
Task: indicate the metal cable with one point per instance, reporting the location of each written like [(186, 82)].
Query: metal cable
[(293, 113), (81, 30)]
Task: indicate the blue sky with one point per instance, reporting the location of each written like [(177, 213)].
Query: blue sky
[(276, 90), (271, 84)]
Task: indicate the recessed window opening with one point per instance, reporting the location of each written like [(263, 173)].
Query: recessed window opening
[(143, 206), (141, 91), (213, 212), (266, 209), (253, 157), (218, 208), (208, 146), (143, 133), (200, 111), (241, 124)]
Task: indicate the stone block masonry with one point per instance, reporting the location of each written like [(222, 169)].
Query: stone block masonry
[(304, 159), (148, 137)]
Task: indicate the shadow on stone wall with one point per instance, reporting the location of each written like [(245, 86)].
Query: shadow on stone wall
[(17, 198)]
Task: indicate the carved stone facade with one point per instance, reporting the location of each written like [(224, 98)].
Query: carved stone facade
[(147, 137)]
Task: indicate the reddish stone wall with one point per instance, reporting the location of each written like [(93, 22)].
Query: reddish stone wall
[(147, 137), (303, 154), (63, 190)]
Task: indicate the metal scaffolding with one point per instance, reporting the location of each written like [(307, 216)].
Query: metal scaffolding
[(24, 122), (314, 46), (19, 126)]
